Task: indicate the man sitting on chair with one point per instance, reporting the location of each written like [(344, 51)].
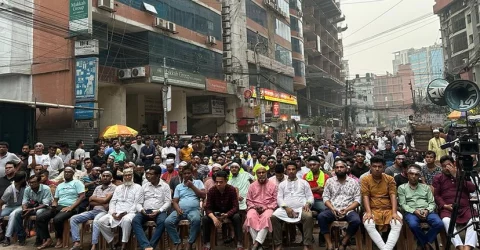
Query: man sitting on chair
[(261, 202), (380, 202), (341, 196), (294, 199), (416, 199)]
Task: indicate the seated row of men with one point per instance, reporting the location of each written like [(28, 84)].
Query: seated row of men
[(268, 204)]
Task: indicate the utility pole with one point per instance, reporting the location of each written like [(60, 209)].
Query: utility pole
[(257, 89), (347, 83), (164, 97)]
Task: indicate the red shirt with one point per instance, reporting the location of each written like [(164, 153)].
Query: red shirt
[(314, 184)]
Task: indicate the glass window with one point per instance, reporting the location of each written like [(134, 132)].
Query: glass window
[(271, 80), (282, 29), (296, 25), (297, 45), (283, 55), (256, 13), (284, 6), (299, 67), (252, 40), (296, 5)]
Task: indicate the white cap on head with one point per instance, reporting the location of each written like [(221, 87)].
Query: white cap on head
[(183, 163), (169, 161), (436, 131)]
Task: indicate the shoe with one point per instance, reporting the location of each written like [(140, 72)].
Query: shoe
[(6, 242), (22, 241)]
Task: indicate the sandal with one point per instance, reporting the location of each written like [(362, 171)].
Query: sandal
[(48, 243), (228, 240), (343, 247)]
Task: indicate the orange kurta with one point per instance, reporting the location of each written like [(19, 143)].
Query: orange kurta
[(379, 193)]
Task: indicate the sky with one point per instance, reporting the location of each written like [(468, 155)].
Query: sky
[(376, 55)]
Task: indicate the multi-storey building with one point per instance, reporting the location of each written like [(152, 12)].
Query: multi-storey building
[(459, 21), (362, 100), (323, 57), (392, 97), (427, 65)]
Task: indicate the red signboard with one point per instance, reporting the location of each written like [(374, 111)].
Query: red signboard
[(276, 109), (216, 86), (247, 94)]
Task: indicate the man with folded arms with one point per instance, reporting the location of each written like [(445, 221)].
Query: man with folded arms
[(416, 199), (99, 200), (156, 201)]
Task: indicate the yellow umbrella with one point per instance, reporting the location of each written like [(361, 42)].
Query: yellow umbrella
[(456, 115), (115, 131)]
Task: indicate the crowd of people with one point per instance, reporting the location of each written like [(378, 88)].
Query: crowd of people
[(377, 181)]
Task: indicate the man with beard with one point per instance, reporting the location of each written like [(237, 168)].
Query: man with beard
[(99, 201), (262, 162), (100, 157), (380, 203), (271, 162), (6, 180), (416, 199), (186, 205), (435, 144), (279, 176), (68, 196), (12, 199), (445, 188), (241, 181), (139, 144), (156, 202), (341, 196), (168, 149), (158, 147), (359, 167), (261, 202), (316, 178), (122, 209), (130, 152), (117, 154), (171, 172), (198, 146), (294, 200), (222, 204)]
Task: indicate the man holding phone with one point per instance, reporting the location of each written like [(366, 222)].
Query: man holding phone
[(157, 200)]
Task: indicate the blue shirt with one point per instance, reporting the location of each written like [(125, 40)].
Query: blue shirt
[(67, 192), (43, 196), (188, 198)]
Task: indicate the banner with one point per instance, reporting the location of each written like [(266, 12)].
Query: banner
[(80, 18), (86, 79), (275, 96), (84, 114), (177, 77)]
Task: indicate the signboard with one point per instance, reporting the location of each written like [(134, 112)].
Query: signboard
[(216, 86), (177, 77), (276, 109), (218, 107), (86, 47), (84, 114), (295, 117), (80, 18), (257, 110), (247, 94), (201, 108), (86, 79), (275, 96)]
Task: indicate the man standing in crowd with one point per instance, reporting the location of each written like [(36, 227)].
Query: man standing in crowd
[(168, 149), (294, 200), (261, 202), (186, 205), (121, 209), (156, 202), (5, 157), (416, 199), (99, 202), (130, 152), (380, 203), (341, 196), (435, 145), (54, 163), (147, 153)]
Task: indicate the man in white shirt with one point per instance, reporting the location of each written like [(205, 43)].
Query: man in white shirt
[(54, 164), (294, 200), (5, 157), (138, 145), (168, 149), (79, 153), (122, 209), (156, 202), (37, 156)]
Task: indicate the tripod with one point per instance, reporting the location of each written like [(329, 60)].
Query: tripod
[(465, 169)]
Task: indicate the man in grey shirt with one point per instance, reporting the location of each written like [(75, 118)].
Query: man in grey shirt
[(12, 199), (397, 167), (5, 157)]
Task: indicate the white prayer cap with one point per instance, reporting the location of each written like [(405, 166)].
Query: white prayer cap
[(436, 131), (183, 164), (169, 161)]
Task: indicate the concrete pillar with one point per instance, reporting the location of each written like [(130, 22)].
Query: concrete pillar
[(230, 124), (135, 111), (113, 100), (179, 111), (309, 104)]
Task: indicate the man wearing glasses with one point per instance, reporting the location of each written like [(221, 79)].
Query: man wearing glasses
[(397, 167)]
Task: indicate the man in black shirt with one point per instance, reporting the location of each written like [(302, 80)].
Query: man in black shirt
[(100, 157), (359, 167), (6, 181)]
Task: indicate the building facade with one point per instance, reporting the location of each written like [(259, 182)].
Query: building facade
[(427, 65), (459, 21), (322, 30), (392, 97), (362, 101)]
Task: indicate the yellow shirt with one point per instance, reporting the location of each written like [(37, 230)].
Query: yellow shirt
[(186, 154), (434, 145)]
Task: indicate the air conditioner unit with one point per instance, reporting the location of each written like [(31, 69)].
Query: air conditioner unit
[(211, 40), (227, 32), (240, 82), (172, 27), (300, 14), (225, 10), (266, 2), (227, 62), (227, 39), (228, 78), (226, 25), (226, 18), (138, 72), (228, 69), (124, 73), (227, 46), (161, 23), (227, 54), (107, 5)]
